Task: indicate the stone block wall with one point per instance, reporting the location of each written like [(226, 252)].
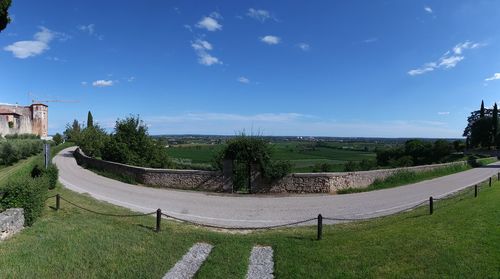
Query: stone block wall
[(213, 181), (11, 222), (298, 183), (334, 181)]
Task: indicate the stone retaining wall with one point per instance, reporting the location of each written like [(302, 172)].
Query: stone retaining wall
[(11, 222), (218, 182), (165, 178), (333, 181)]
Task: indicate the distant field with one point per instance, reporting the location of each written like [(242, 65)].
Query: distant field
[(302, 155)]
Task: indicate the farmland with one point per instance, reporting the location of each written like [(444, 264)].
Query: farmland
[(303, 155)]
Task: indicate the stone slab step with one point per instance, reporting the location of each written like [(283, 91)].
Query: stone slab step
[(261, 264), (187, 267)]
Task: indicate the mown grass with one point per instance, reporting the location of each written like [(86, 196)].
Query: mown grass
[(461, 239), (408, 177)]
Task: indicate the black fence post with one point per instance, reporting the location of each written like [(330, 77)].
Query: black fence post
[(475, 191), (320, 227), (58, 201), (490, 182), (431, 205), (158, 220)]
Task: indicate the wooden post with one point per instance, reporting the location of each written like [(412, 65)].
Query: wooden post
[(320, 227), (490, 182), (431, 205), (58, 201), (158, 220), (475, 191)]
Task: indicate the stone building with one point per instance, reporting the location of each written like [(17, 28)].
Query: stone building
[(32, 119)]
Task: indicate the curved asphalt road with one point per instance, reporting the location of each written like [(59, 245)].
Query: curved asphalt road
[(257, 211)]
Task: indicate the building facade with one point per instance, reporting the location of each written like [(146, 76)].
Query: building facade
[(32, 119)]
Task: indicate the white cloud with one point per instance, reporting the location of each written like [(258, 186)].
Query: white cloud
[(84, 83), (495, 76), (244, 80), (201, 45), (270, 40), (188, 27), (42, 38), (444, 113), (304, 46), (210, 23), (102, 83), (260, 15), (370, 40), (130, 79), (448, 60), (428, 9), (90, 29), (202, 48)]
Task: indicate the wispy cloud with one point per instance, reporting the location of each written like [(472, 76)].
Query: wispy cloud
[(260, 15), (370, 40), (495, 76), (90, 30), (304, 46), (37, 46), (210, 23), (102, 83), (243, 80), (271, 40), (202, 48), (448, 60), (444, 113), (428, 10)]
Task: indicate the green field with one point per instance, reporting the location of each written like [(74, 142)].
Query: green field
[(302, 155)]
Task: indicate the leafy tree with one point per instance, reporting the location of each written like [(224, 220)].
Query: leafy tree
[(57, 138), (72, 131), (131, 144), (479, 128), (246, 151), (4, 13), (9, 154), (92, 140), (441, 149), (90, 120)]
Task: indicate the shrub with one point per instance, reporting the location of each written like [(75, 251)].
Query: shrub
[(52, 174), (9, 154), (57, 138), (27, 193)]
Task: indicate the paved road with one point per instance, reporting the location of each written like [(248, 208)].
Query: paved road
[(255, 211)]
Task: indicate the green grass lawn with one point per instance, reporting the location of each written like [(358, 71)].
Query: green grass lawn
[(461, 239)]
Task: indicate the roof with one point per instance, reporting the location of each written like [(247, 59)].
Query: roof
[(8, 112), (39, 104)]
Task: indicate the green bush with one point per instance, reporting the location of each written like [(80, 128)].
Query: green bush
[(27, 193), (52, 174), (58, 139), (9, 154)]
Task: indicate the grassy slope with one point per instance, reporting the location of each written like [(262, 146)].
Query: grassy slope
[(461, 239)]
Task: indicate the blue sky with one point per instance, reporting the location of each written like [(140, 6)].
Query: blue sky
[(321, 68)]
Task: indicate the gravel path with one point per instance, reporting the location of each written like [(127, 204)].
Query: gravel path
[(187, 267), (257, 211), (261, 263)]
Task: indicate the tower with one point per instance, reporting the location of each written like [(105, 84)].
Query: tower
[(40, 122)]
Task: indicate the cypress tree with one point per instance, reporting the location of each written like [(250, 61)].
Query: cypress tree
[(494, 124), (481, 112), (90, 120)]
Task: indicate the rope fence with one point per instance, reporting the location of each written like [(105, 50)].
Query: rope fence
[(464, 193)]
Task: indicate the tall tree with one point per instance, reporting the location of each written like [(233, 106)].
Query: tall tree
[(4, 13), (481, 112), (90, 120), (494, 124)]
